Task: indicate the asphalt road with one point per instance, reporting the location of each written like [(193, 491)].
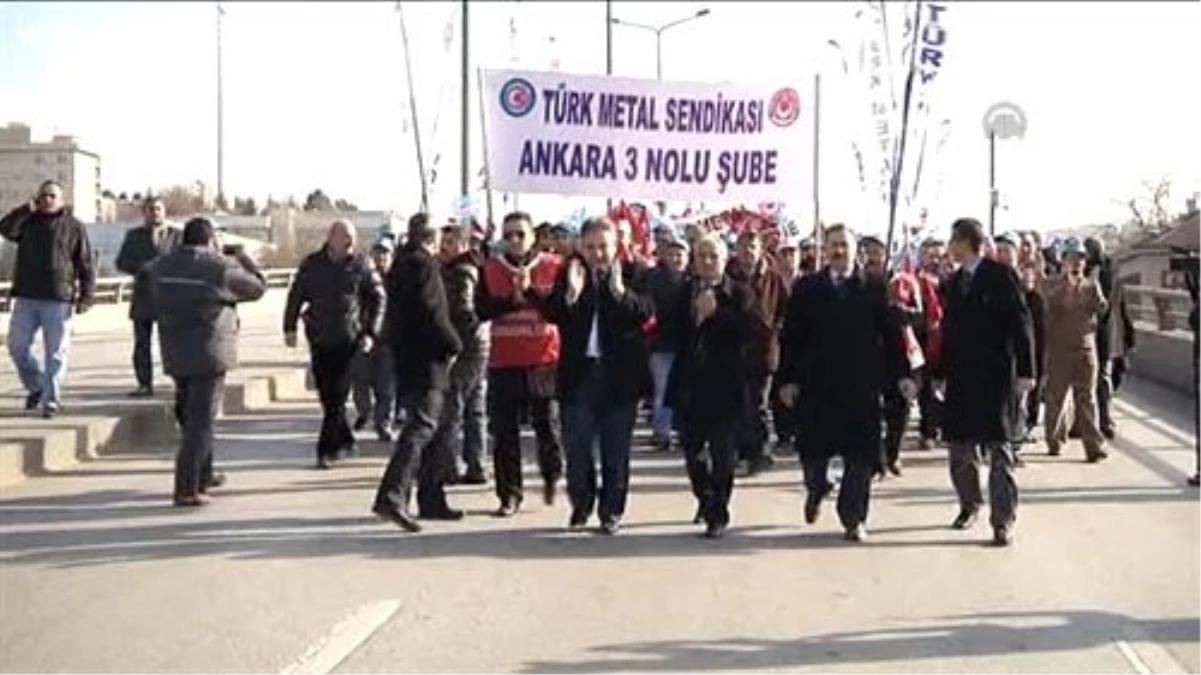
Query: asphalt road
[(287, 571)]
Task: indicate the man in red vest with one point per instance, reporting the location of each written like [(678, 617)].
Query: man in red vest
[(523, 360)]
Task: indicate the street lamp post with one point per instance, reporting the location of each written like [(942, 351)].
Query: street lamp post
[(220, 114), (658, 31)]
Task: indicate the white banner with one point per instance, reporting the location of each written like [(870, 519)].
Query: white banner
[(583, 135)]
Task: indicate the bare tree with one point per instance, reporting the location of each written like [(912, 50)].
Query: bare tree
[(1151, 211), (181, 200)]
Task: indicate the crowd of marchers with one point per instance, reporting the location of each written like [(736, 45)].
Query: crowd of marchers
[(449, 340)]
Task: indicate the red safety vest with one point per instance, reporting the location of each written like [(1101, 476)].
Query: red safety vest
[(523, 338)]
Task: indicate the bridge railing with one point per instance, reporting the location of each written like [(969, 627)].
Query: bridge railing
[(115, 290), (1166, 309)]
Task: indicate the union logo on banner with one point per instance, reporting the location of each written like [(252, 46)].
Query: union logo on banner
[(517, 97)]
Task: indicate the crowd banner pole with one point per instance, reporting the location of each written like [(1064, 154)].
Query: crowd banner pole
[(479, 79), (404, 37), (817, 137)]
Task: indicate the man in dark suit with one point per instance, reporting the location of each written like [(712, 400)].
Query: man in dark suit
[(842, 347), (1115, 333), (424, 344), (706, 389), (140, 247), (195, 290), (603, 371), (987, 365)]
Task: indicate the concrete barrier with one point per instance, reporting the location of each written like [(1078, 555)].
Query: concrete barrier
[(1164, 357)]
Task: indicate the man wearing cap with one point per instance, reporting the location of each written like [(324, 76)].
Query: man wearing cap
[(875, 256), (195, 290), (374, 379), (808, 253), (563, 238), (340, 299), (1075, 305), (666, 284), (987, 361)]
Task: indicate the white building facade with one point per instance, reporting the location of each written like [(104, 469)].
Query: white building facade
[(24, 165)]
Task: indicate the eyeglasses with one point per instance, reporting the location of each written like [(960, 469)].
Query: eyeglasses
[(514, 234)]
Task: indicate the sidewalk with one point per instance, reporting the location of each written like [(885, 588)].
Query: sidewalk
[(97, 415)]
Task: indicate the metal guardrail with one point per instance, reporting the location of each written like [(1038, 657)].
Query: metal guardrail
[(1165, 308), (115, 290)]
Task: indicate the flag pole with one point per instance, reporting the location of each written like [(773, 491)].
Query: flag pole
[(817, 136), (479, 79), (404, 37)]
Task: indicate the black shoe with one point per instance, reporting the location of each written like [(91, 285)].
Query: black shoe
[(441, 513), (894, 468), (856, 533), (965, 519), (700, 515), (214, 481), (1018, 462), (507, 509), (32, 400), (610, 526), (384, 433), (663, 444), (548, 492), (324, 461), (1109, 432), (360, 423), (49, 412), (715, 531), (1096, 456), (394, 516), (1053, 449), (813, 508), (1195, 481), (473, 477), (1002, 536), (579, 520)]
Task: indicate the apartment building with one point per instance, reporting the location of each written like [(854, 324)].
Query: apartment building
[(24, 164)]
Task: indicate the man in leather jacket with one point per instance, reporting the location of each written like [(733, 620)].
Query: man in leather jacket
[(341, 300)]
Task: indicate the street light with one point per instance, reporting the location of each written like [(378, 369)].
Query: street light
[(658, 31)]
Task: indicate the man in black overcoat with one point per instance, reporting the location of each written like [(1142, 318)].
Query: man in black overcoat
[(424, 344), (842, 348), (987, 366)]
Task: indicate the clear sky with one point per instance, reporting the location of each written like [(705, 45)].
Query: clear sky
[(316, 95)]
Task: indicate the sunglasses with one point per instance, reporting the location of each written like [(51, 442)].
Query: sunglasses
[(514, 234)]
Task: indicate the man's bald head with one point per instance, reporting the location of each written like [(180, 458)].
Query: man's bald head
[(340, 240)]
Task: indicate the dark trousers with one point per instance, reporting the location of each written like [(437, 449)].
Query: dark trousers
[(414, 457), (588, 423), (752, 438), (1002, 488), (331, 373), (782, 416), (464, 411), (197, 400), (1105, 389), (143, 363), (929, 407), (855, 490), (510, 391), (710, 454), (374, 386), (896, 416)]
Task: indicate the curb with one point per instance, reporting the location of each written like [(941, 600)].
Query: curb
[(56, 446)]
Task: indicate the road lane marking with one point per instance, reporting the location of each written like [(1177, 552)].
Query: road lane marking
[(332, 649), (1132, 658)]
